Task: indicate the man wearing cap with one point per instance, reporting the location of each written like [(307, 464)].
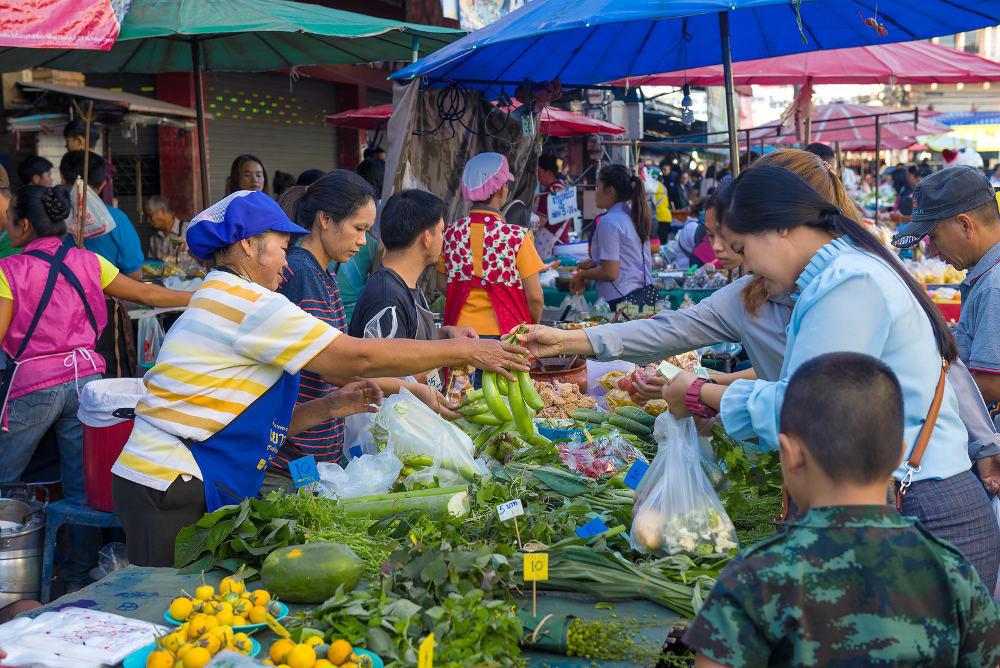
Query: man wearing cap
[(221, 398), (956, 209), (491, 266)]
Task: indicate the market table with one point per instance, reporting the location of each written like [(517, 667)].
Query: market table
[(554, 297), (145, 593)]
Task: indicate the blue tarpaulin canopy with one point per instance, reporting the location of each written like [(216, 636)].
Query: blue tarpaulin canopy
[(588, 42)]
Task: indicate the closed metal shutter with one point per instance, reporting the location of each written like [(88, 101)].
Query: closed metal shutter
[(255, 113)]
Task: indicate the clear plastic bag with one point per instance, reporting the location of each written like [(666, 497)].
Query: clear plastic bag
[(363, 476), (593, 459), (112, 557), (150, 338), (676, 510), (425, 442)]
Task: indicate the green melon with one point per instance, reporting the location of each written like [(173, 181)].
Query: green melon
[(312, 572)]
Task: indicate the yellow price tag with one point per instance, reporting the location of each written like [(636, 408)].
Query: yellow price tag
[(536, 566), (425, 653)]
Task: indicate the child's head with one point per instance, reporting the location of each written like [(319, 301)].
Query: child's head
[(841, 427)]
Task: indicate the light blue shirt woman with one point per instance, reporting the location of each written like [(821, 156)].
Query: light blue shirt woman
[(615, 239), (849, 300)]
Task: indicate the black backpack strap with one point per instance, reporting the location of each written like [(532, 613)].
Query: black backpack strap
[(55, 261)]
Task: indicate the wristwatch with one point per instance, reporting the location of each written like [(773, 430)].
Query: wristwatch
[(692, 401)]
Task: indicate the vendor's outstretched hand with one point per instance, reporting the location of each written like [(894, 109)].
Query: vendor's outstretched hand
[(675, 391), (542, 341), (988, 469), (363, 396), (499, 357)]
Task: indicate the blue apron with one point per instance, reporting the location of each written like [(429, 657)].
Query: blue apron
[(233, 460)]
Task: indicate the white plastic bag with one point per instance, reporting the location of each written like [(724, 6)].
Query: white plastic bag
[(363, 476), (676, 510), (150, 337), (411, 429)]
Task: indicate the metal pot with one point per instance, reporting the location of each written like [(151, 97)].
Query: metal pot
[(21, 547), (562, 369)]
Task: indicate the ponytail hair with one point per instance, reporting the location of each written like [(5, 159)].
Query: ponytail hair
[(772, 198), (45, 209), (339, 194), (630, 188)]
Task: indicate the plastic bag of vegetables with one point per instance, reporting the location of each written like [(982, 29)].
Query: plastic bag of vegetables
[(430, 447), (676, 510)]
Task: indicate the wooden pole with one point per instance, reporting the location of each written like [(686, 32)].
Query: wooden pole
[(86, 171), (878, 144), (727, 73), (199, 107)]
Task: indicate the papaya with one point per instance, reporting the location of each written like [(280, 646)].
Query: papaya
[(312, 572)]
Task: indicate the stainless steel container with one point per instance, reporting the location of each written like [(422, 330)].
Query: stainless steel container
[(21, 548)]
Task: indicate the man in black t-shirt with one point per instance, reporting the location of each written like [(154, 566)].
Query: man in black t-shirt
[(391, 305)]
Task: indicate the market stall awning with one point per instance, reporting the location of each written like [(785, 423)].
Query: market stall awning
[(62, 24), (370, 118), (854, 127), (903, 63), (134, 103), (553, 121), (593, 41)]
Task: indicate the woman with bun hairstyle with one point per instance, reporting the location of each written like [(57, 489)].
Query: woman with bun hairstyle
[(51, 314), (620, 260)]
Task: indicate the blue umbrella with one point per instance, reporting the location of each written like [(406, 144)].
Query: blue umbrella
[(588, 42)]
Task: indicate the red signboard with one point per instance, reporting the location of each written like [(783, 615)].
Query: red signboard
[(62, 24)]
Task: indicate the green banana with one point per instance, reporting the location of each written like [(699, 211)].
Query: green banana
[(528, 392), (493, 398), (522, 419), (485, 419)]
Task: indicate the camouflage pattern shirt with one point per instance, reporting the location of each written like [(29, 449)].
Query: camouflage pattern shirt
[(849, 586)]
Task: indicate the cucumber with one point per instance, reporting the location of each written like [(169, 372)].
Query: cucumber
[(311, 573), (587, 415), (631, 426), (637, 414)]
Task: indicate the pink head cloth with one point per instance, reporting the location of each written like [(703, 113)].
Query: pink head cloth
[(484, 175)]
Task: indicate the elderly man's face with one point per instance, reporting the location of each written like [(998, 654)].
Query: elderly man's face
[(161, 219)]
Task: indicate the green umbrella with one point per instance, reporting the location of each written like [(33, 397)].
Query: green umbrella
[(238, 35)]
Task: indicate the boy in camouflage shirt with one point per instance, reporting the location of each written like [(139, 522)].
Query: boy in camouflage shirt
[(851, 582)]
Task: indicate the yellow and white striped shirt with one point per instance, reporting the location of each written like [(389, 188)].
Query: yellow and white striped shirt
[(231, 345)]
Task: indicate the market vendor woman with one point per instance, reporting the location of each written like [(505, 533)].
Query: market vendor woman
[(221, 398)]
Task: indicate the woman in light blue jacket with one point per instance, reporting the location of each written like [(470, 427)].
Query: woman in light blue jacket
[(852, 294)]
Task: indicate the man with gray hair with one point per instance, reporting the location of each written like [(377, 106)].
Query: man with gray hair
[(167, 241)]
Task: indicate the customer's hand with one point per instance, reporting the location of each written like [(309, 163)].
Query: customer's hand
[(577, 283), (542, 341), (586, 264), (649, 385), (499, 357), (988, 469), (435, 401), (455, 332), (675, 392), (364, 396)]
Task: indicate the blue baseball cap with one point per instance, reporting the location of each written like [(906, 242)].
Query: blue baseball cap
[(244, 214)]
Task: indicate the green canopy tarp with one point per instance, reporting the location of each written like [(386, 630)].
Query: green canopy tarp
[(238, 35)]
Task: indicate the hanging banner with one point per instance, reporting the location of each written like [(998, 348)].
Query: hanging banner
[(62, 24)]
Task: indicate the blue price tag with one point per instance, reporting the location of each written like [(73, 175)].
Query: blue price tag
[(304, 471), (635, 473), (592, 528)]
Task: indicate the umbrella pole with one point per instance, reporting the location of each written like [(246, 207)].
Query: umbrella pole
[(727, 73), (878, 144), (199, 105)]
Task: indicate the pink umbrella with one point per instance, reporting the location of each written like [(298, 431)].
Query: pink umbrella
[(903, 63), (371, 118), (853, 125), (553, 121)]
